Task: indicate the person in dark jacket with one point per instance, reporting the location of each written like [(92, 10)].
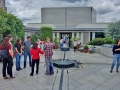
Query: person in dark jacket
[(116, 58)]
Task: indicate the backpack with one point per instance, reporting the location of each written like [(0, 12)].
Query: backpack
[(3, 53)]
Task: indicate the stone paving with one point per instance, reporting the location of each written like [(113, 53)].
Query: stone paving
[(93, 74)]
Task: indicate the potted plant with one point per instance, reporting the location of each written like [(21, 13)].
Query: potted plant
[(85, 49), (56, 41)]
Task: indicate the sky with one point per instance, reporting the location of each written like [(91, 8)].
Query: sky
[(29, 11)]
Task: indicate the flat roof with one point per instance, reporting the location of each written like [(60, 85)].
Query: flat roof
[(66, 29)]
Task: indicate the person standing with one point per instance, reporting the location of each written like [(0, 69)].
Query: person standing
[(42, 44), (78, 43), (48, 56), (18, 50), (116, 58), (61, 43), (8, 59), (27, 46), (35, 53), (75, 45)]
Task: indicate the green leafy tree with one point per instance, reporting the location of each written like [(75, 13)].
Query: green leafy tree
[(113, 30), (10, 24), (46, 31), (34, 38)]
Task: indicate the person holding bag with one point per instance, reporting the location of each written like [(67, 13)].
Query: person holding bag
[(7, 55), (35, 53)]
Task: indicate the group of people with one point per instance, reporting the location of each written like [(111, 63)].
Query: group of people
[(33, 53), (64, 42)]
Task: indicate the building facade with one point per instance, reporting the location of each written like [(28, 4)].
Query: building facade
[(79, 22), (2, 4)]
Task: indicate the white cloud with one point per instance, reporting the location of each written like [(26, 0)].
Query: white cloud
[(29, 11)]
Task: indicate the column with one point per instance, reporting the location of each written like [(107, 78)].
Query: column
[(53, 36), (89, 36), (77, 35), (81, 39), (72, 34), (58, 36), (25, 36), (93, 35)]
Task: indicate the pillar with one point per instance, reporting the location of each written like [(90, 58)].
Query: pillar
[(58, 35), (77, 35), (93, 35), (81, 38), (89, 36), (53, 36), (72, 34)]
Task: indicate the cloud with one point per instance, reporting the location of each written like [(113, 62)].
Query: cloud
[(117, 3), (29, 11)]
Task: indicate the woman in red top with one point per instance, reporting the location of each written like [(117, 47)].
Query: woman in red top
[(35, 53), (8, 61)]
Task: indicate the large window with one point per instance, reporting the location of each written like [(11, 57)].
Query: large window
[(99, 35)]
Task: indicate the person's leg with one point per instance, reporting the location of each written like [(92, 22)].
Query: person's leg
[(37, 66), (30, 59), (113, 63), (52, 65), (10, 64), (47, 65), (4, 67), (32, 69), (118, 63), (25, 58), (17, 61)]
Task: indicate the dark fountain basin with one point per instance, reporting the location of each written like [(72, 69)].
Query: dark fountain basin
[(65, 63)]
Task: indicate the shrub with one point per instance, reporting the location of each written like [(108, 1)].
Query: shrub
[(45, 32), (56, 41), (34, 38), (97, 41), (85, 47), (73, 39), (109, 40)]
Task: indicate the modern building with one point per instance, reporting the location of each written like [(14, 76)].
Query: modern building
[(79, 22), (2, 4)]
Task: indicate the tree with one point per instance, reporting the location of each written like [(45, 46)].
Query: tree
[(113, 30), (34, 38), (46, 31), (10, 24)]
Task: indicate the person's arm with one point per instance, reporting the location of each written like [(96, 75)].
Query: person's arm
[(41, 52), (17, 50), (10, 51)]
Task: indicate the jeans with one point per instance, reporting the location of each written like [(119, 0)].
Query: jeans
[(25, 58), (7, 63), (48, 61), (18, 57), (61, 45), (116, 58), (37, 66)]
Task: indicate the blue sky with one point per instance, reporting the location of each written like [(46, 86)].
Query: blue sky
[(29, 11)]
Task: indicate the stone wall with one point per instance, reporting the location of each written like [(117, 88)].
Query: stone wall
[(106, 51)]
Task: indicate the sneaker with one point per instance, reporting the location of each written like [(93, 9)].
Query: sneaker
[(110, 71), (31, 74), (46, 74), (117, 71), (20, 68)]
